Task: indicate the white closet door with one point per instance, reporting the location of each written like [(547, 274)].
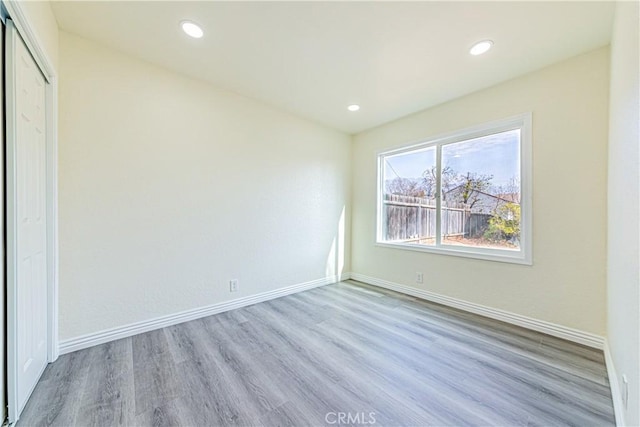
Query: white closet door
[(26, 222)]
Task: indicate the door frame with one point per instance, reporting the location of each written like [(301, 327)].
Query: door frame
[(14, 10)]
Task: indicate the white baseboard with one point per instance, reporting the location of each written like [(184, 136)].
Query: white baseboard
[(616, 395), (548, 328), (90, 340)]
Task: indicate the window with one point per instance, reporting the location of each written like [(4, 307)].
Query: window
[(466, 193)]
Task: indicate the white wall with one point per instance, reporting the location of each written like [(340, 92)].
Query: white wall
[(566, 284), (623, 329), (170, 187)]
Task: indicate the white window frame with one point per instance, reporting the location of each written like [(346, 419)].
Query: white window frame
[(522, 256)]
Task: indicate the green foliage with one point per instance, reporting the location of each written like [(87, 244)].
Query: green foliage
[(505, 223)]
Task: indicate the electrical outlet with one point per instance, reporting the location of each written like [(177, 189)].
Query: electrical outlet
[(625, 391), (419, 277), (233, 285)]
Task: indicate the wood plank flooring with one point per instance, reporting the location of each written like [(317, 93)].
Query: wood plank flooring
[(341, 354)]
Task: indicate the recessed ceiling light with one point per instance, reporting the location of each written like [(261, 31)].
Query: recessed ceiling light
[(481, 47), (353, 107), (192, 29)]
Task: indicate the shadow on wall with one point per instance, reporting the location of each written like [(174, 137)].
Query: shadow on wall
[(335, 259)]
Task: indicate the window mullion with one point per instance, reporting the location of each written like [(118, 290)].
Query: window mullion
[(438, 194)]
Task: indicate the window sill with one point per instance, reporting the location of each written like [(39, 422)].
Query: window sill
[(497, 255)]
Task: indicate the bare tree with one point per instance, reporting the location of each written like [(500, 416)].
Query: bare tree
[(473, 184), (430, 180), (509, 191), (405, 187), (464, 188)]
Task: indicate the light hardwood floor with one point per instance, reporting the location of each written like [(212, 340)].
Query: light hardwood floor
[(376, 356)]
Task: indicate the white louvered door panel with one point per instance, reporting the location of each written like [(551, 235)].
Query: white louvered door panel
[(26, 222)]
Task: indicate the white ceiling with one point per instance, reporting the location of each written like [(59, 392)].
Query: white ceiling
[(315, 58)]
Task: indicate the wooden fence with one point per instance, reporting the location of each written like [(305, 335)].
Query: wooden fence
[(477, 224), (414, 219)]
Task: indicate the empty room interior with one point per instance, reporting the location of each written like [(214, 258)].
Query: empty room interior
[(321, 213)]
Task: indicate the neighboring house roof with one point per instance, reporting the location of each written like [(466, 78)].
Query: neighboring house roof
[(484, 202), (510, 197), (506, 197)]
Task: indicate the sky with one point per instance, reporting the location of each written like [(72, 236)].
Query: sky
[(496, 155)]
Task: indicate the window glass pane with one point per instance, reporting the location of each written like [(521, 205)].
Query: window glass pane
[(409, 205), (481, 192)]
